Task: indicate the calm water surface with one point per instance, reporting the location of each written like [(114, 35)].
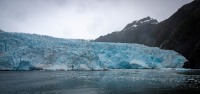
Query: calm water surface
[(136, 81)]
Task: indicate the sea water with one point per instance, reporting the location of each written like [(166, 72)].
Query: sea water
[(121, 81)]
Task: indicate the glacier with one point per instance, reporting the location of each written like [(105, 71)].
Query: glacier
[(19, 51)]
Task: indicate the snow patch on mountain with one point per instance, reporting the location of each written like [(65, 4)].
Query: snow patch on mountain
[(134, 25)]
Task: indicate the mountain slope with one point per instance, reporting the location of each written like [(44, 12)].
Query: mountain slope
[(181, 32), (140, 32)]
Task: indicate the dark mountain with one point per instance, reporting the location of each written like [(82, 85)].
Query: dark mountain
[(140, 31), (180, 32)]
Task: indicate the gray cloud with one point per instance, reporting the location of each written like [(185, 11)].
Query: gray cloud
[(84, 19)]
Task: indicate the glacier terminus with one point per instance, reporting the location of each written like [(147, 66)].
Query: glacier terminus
[(19, 51)]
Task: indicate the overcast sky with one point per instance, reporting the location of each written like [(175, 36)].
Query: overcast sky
[(80, 19)]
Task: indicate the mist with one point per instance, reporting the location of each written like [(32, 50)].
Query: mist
[(80, 19)]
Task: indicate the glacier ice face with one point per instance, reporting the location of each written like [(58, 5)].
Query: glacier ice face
[(25, 65), (44, 52)]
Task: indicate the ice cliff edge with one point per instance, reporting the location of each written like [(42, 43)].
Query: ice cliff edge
[(19, 51)]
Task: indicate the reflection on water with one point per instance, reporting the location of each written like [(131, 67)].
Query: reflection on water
[(150, 81)]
